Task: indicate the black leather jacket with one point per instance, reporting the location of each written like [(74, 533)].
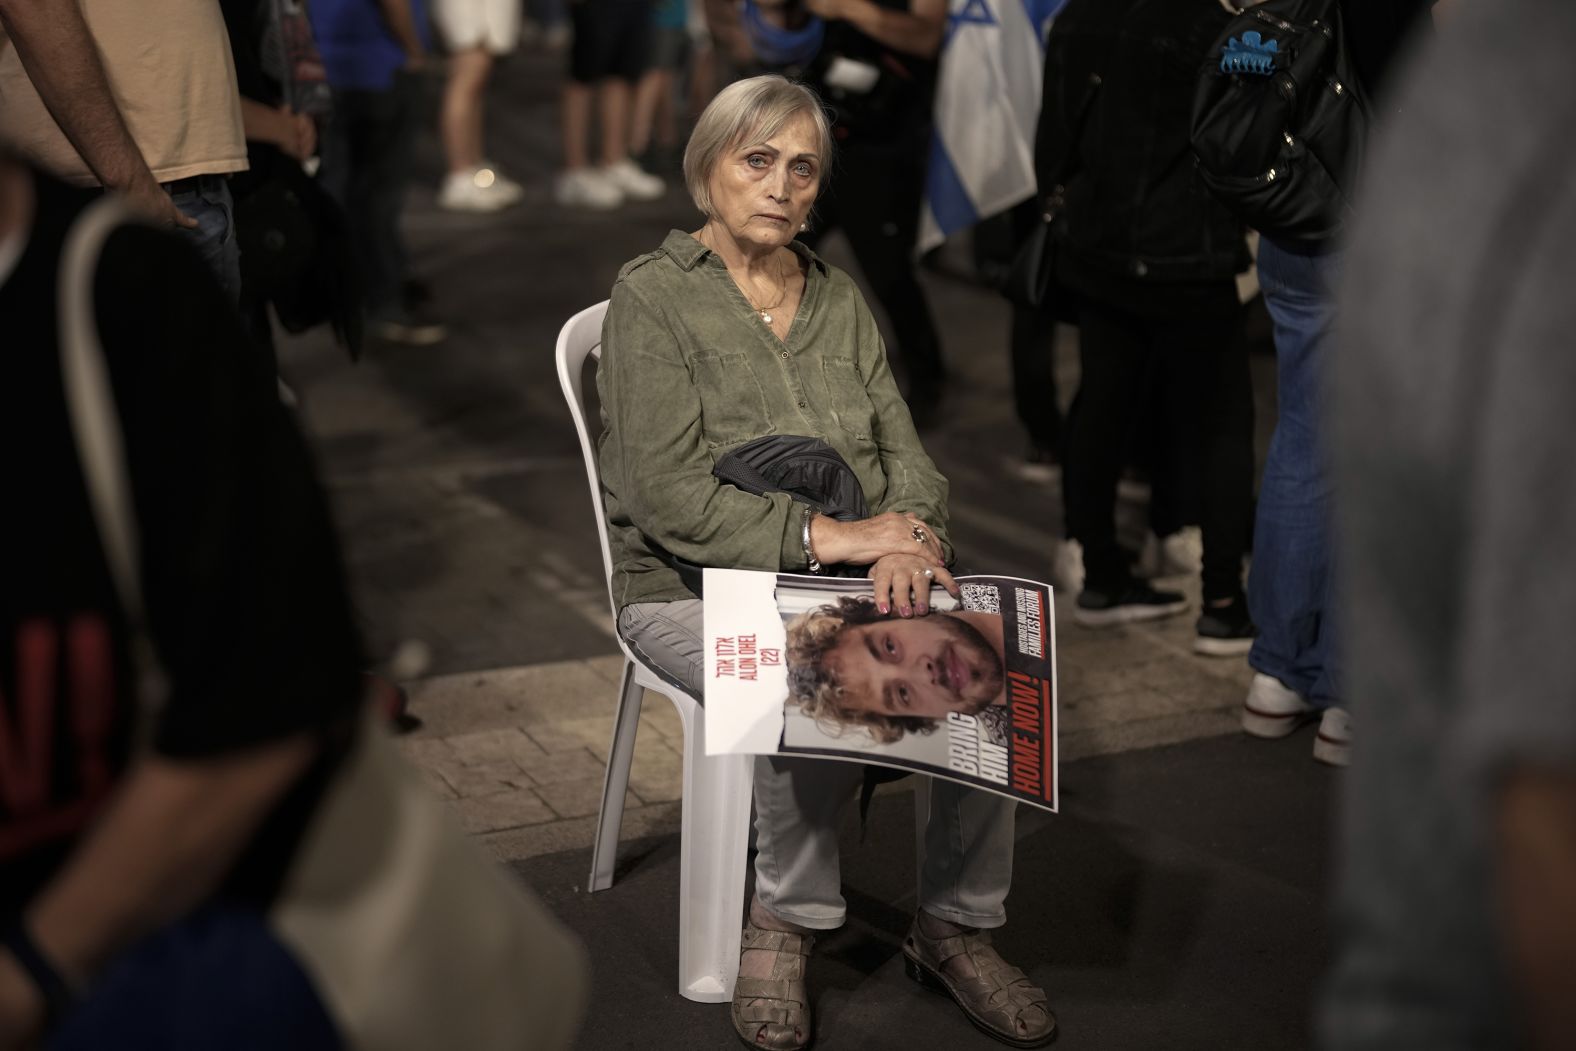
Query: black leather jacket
[(1112, 154)]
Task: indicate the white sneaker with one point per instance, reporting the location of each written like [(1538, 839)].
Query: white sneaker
[(1180, 554), (1132, 490), (481, 189), (587, 188), (1038, 465), (501, 182), (1067, 569), (1273, 709), (637, 185), (1333, 745)]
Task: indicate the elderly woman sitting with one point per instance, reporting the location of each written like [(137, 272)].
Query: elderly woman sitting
[(737, 331)]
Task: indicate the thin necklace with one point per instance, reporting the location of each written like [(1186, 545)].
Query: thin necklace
[(782, 293), (763, 312)]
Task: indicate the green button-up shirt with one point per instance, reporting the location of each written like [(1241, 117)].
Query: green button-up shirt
[(689, 371)]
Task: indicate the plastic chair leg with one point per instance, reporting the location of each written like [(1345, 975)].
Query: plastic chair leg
[(711, 882), (620, 754)]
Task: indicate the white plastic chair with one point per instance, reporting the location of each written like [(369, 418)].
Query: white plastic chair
[(714, 839), (716, 808)]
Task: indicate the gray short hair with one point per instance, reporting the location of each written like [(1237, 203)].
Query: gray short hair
[(743, 113)]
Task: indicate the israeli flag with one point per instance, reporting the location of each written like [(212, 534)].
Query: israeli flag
[(987, 104)]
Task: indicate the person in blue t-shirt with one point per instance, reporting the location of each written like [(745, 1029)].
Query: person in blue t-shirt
[(374, 51)]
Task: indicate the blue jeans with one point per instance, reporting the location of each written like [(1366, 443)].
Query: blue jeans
[(206, 198), (218, 978), (1289, 587)]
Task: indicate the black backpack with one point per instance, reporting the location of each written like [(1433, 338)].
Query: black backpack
[(1280, 121)]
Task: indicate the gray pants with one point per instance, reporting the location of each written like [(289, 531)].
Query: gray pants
[(799, 802)]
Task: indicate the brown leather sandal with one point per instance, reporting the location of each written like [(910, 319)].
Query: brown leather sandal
[(996, 1000), (774, 1013)]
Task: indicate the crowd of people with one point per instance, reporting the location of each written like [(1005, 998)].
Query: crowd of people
[(151, 806)]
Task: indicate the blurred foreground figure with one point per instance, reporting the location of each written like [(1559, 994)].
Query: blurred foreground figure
[(198, 846), (1453, 435), (140, 847)]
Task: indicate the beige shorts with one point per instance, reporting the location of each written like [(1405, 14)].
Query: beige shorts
[(467, 24)]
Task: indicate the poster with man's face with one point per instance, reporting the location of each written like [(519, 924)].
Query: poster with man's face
[(966, 691)]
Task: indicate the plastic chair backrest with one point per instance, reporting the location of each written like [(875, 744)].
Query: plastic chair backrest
[(579, 339)]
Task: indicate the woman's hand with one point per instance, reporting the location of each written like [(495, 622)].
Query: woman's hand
[(869, 539), (903, 582)]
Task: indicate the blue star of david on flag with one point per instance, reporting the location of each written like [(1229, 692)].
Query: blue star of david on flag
[(987, 105), (1041, 12), (974, 12)]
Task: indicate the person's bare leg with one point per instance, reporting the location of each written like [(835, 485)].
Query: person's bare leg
[(703, 79), (613, 96), (460, 120), (648, 96), (665, 124), (576, 125)]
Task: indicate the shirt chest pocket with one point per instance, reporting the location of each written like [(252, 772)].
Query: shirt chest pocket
[(845, 390), (732, 403)]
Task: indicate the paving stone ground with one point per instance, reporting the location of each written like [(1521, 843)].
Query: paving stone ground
[(520, 752)]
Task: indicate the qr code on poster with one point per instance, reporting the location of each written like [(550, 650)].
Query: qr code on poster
[(982, 598)]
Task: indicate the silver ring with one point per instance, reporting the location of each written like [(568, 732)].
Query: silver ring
[(919, 535)]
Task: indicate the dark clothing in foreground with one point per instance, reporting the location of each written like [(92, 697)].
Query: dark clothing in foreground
[(219, 977), (1453, 429), (241, 573)]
